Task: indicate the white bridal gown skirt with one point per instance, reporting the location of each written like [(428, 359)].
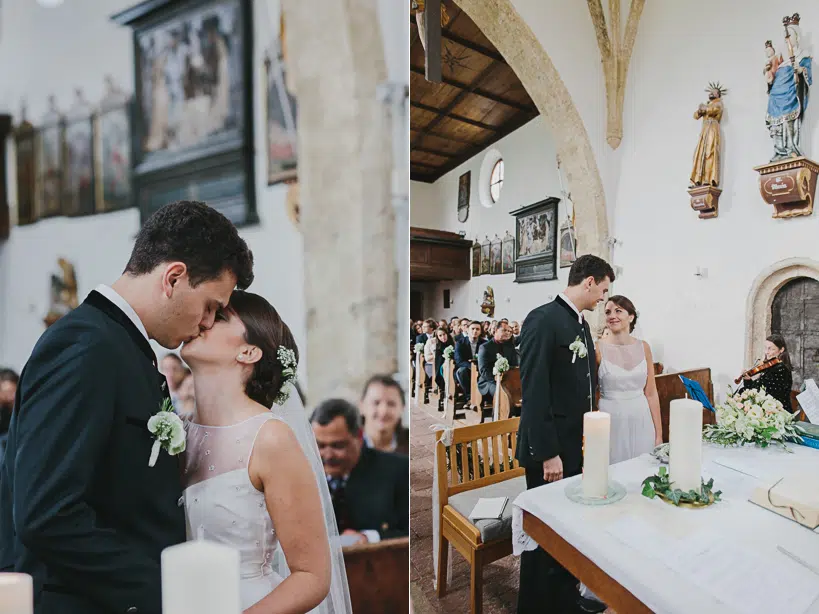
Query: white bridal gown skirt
[(632, 431)]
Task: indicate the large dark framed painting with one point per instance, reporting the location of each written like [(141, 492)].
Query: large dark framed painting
[(536, 239), (194, 103), (78, 178), (112, 147), (26, 157), (463, 196), (476, 259), (281, 119)]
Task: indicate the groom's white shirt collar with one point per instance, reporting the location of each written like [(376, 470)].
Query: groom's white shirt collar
[(112, 295), (573, 306)]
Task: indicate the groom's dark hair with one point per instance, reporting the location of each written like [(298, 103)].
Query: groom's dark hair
[(590, 266), (190, 231)]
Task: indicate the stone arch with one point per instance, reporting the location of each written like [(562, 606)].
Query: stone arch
[(513, 38), (336, 60), (761, 296)]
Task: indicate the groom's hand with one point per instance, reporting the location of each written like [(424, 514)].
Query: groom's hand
[(553, 469)]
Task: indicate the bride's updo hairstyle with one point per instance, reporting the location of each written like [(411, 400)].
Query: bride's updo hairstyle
[(623, 303), (265, 329)]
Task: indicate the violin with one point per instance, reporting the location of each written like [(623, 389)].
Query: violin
[(758, 369)]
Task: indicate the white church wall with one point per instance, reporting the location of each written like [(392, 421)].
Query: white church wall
[(530, 175), (83, 46), (691, 321)]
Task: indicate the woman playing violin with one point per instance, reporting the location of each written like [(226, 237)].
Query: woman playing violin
[(776, 379)]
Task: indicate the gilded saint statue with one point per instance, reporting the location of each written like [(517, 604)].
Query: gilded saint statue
[(705, 171)]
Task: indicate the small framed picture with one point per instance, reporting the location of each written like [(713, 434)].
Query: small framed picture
[(495, 256), (485, 259), (568, 245), (508, 254), (476, 260), (78, 180)]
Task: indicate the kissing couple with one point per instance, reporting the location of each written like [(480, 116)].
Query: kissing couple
[(101, 475)]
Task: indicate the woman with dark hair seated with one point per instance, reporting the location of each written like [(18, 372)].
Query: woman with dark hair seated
[(777, 380), (382, 406)]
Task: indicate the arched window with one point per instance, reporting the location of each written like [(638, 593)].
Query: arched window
[(496, 181)]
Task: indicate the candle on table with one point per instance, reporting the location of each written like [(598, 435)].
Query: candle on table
[(200, 577), (685, 439), (16, 593), (596, 433)]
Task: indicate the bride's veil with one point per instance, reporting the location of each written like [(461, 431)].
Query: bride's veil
[(338, 600)]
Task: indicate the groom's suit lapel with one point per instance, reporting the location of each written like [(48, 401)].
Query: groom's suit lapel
[(560, 301), (97, 300)]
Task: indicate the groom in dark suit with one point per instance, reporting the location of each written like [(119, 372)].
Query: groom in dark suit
[(558, 387), (80, 509)]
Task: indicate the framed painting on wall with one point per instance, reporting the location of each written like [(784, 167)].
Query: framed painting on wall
[(485, 257), (568, 245), (194, 103), (78, 183), (508, 254), (113, 157), (280, 122), (463, 196), (50, 158), (495, 267), (25, 139), (476, 259), (536, 240)]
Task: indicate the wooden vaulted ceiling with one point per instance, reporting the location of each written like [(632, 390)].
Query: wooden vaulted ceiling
[(479, 101)]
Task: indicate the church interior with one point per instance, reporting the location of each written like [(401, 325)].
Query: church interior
[(639, 132), (288, 117)]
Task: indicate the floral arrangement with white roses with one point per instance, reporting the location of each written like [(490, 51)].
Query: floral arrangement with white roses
[(752, 417), (448, 352), (501, 366), (419, 347)]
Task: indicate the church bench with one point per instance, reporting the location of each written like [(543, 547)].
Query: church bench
[(449, 399), (378, 575), (508, 393), (475, 396), (670, 387), (481, 463)]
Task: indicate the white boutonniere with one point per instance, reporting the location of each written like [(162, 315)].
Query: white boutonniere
[(168, 431), (578, 348)]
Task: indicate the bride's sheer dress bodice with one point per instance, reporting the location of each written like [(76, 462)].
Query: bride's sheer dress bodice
[(622, 377), (223, 506)]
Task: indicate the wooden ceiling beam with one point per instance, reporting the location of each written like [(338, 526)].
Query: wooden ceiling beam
[(455, 116), (434, 152), (468, 44), (424, 164), (448, 137), (472, 88), (422, 177)]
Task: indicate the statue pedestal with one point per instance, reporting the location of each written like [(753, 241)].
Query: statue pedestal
[(789, 185), (705, 199)]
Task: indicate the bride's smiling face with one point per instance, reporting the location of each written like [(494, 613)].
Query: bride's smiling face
[(223, 344), (617, 318)]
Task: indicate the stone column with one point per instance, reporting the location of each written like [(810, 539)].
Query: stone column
[(336, 56)]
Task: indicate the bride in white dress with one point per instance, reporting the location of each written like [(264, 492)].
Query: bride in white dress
[(628, 391), (253, 477)]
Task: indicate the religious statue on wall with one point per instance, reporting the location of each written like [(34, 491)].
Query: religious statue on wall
[(788, 181), (788, 75), (488, 303), (63, 293), (705, 173)]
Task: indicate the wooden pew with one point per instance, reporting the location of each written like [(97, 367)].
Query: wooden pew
[(669, 387), (475, 399), (378, 575), (449, 401), (508, 394)]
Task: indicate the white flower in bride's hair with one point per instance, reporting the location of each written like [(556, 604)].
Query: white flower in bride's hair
[(168, 431), (287, 359), (578, 348)]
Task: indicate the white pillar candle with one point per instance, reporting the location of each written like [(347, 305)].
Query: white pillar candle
[(200, 577), (596, 433), (16, 593), (685, 439)]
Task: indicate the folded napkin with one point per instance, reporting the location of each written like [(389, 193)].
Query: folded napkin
[(795, 497)]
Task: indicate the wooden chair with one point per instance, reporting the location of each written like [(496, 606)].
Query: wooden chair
[(508, 393), (378, 575), (481, 463), (669, 387)]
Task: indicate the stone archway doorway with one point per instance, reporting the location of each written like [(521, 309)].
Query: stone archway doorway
[(795, 316)]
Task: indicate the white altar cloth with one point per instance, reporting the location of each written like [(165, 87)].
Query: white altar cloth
[(720, 559)]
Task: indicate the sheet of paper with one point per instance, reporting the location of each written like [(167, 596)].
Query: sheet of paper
[(809, 401), (737, 576), (491, 507)]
